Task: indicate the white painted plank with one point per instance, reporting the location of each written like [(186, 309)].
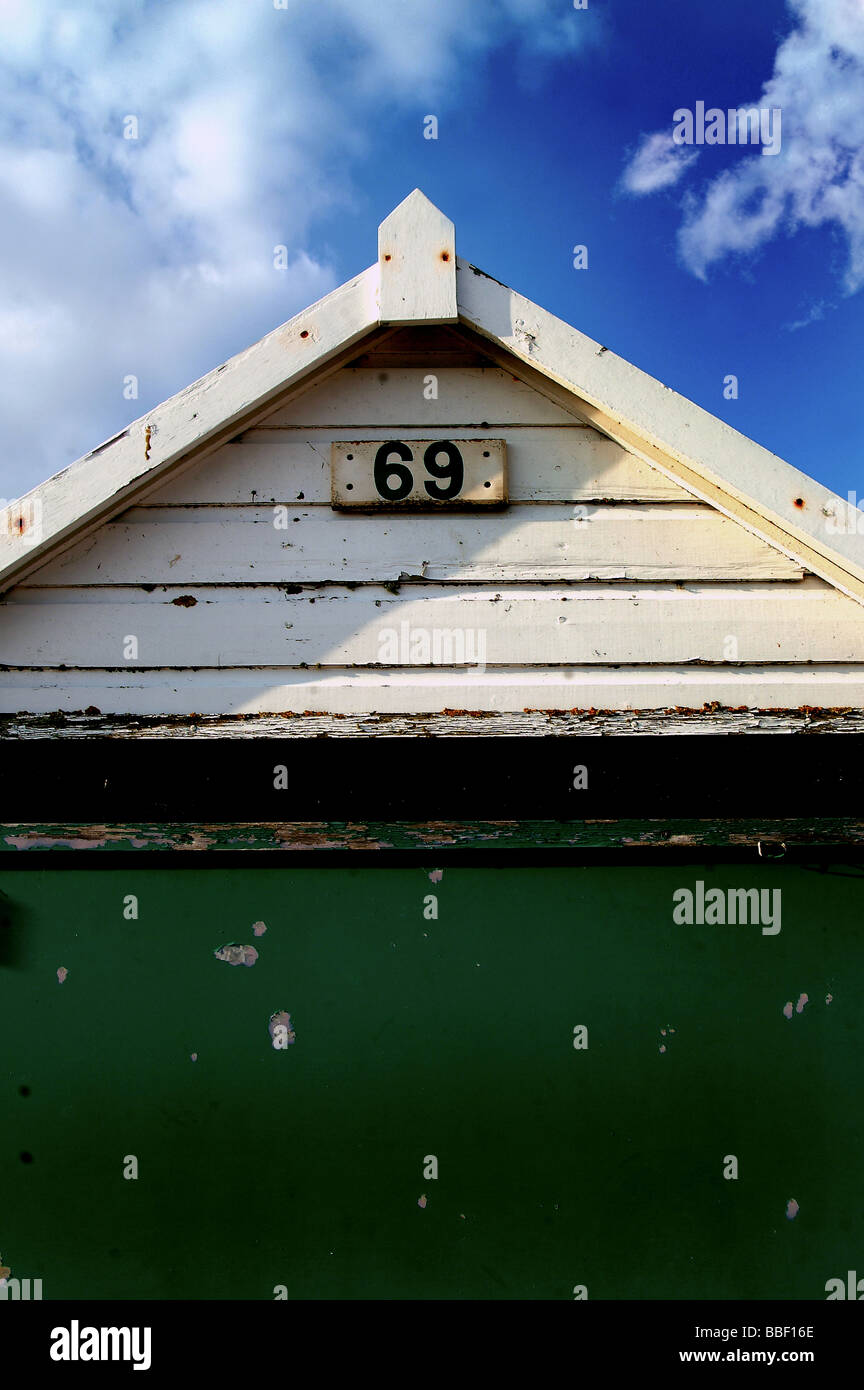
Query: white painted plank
[(397, 397), (431, 625), (417, 261), (203, 412), (423, 691), (236, 545), (546, 464)]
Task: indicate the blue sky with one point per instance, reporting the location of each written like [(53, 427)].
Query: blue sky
[(302, 126)]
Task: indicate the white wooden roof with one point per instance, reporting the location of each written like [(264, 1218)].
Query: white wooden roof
[(418, 279)]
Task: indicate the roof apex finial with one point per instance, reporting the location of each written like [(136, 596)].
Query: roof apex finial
[(417, 262)]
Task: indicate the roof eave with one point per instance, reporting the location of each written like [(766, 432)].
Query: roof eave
[(771, 498), (419, 279), (189, 424)]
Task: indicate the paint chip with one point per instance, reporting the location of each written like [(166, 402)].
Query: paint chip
[(421, 1201), (788, 1008), (792, 1209), (802, 1000), (436, 875), (662, 1047), (828, 998), (62, 973), (235, 954), (258, 929), (281, 1020), (193, 1056)]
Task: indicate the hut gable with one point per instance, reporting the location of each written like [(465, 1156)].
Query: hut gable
[(645, 557)]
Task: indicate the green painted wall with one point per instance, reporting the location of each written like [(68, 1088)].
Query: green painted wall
[(453, 1037)]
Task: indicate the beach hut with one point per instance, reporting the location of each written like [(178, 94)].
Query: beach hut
[(437, 907)]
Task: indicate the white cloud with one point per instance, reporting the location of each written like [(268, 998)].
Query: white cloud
[(658, 163), (814, 314), (154, 257), (817, 178)]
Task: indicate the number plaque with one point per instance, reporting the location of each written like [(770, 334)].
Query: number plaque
[(415, 474)]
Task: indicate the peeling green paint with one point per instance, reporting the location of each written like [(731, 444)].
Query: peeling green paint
[(774, 836)]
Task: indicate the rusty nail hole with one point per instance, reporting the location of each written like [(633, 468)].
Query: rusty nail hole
[(799, 501), (21, 524), (445, 255), (388, 257), (305, 333), (487, 484)]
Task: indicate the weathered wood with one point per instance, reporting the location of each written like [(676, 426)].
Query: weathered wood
[(546, 464), (237, 545), (455, 724), (338, 690), (779, 502), (428, 624), (686, 444), (472, 397), (603, 517), (417, 263), (205, 413), (481, 480), (662, 837)]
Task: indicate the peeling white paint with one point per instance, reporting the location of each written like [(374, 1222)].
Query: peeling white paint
[(281, 1030), (235, 954)]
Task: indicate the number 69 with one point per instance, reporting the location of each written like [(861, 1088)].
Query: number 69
[(452, 472)]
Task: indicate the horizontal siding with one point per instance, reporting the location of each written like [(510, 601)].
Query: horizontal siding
[(636, 607), (553, 463), (475, 626), (398, 396), (237, 545), (243, 691)]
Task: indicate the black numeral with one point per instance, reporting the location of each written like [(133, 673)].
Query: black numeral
[(387, 468), (453, 471)]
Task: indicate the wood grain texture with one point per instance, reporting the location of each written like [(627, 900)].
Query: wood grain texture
[(243, 545), (478, 397), (417, 264), (662, 723), (547, 464), (428, 624), (419, 691)]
